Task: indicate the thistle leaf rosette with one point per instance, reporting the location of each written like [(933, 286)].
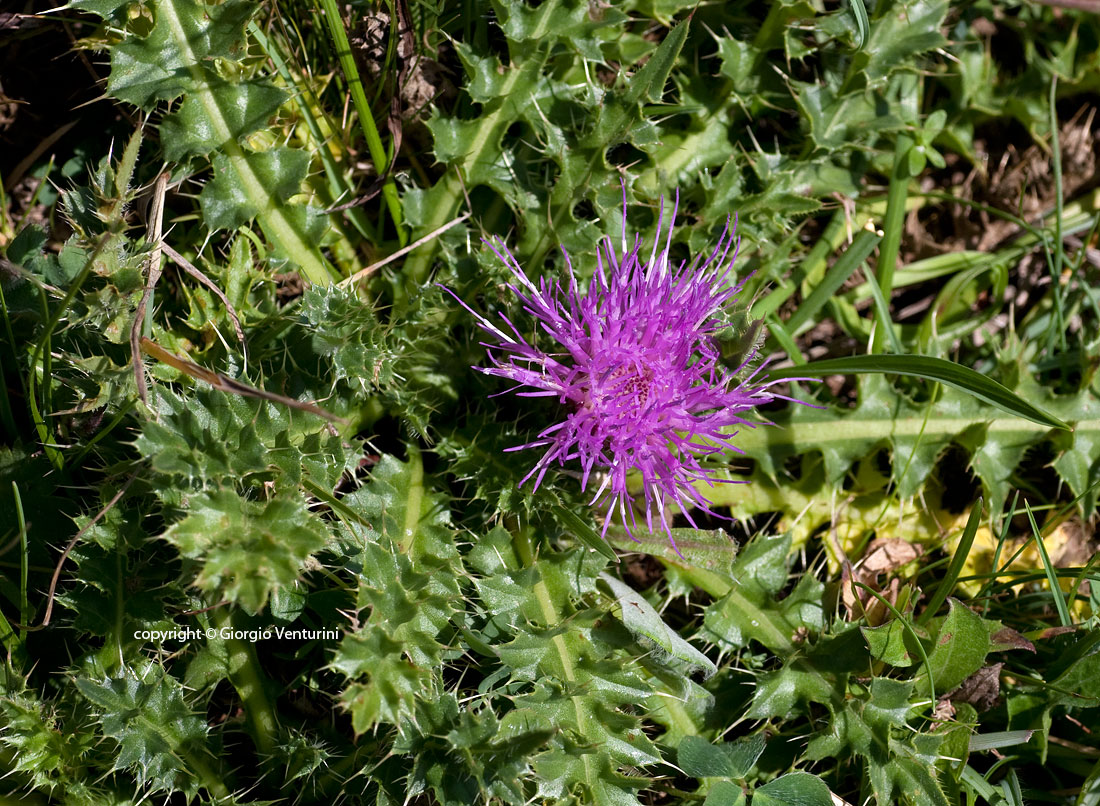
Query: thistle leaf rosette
[(638, 372)]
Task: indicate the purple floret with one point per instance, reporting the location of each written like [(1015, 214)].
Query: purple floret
[(638, 372)]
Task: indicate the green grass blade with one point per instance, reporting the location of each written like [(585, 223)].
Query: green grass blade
[(999, 739), (1059, 321), (882, 312), (780, 334), (957, 563), (7, 417), (1052, 574), (24, 557), (863, 24), (583, 532), (894, 221), (858, 252), (335, 22), (1002, 538), (935, 369)]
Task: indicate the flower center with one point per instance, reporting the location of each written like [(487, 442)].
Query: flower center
[(630, 386)]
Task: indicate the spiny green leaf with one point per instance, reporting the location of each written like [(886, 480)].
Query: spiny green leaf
[(245, 550), (900, 31), (54, 751), (177, 57), (115, 597), (899, 762), (346, 331), (104, 8), (750, 610), (166, 63), (407, 590), (777, 693), (227, 202), (403, 508), (209, 436), (391, 682), (701, 759), (248, 106), (153, 725)]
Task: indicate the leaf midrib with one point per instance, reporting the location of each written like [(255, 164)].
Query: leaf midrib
[(277, 226), (844, 429)]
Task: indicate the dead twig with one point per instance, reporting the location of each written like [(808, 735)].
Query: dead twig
[(154, 230), (226, 384), (17, 173), (189, 267), (50, 596), (359, 275)]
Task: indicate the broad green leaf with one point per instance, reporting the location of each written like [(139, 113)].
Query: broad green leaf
[(701, 759), (403, 508), (1079, 684), (892, 643), (777, 693), (646, 624), (712, 550), (228, 201), (836, 120), (744, 753), (571, 22), (725, 793), (959, 648), (793, 789)]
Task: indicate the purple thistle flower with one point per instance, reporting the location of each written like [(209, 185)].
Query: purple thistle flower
[(638, 372)]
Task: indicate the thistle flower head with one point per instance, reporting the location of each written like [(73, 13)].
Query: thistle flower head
[(637, 372)]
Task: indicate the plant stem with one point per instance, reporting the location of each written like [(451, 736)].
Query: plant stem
[(893, 223), (248, 680), (335, 22)]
